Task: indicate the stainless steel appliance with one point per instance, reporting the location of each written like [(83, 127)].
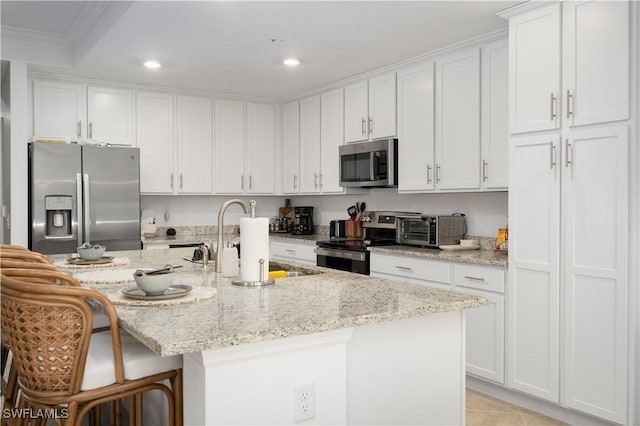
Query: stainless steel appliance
[(352, 255), (337, 228), (303, 221), (431, 231), (369, 164), (83, 193)]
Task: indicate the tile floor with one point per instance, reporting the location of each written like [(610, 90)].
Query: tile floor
[(483, 410)]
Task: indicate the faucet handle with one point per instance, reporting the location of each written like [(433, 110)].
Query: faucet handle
[(252, 207)]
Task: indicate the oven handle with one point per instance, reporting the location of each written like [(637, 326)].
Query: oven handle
[(342, 254)]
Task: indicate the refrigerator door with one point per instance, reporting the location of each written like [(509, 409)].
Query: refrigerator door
[(112, 196), (54, 186)]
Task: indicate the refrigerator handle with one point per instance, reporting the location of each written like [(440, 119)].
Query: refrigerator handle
[(87, 215), (80, 222)]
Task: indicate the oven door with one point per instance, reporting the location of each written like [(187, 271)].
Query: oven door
[(344, 260)]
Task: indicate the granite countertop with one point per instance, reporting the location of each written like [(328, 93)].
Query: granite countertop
[(293, 306), (479, 257)]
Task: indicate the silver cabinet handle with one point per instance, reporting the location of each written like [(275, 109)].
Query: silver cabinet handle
[(567, 149), (90, 129), (473, 278), (242, 182), (484, 170), (290, 251), (552, 155), (370, 125), (171, 178), (404, 268), (79, 213), (79, 129), (87, 209), (437, 173), (315, 180), (364, 131), (428, 173), (552, 100), (569, 103), (180, 180), (250, 181), (321, 179), (295, 181)]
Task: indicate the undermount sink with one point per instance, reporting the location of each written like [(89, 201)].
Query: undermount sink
[(292, 271)]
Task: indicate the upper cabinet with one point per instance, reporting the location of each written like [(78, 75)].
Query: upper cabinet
[(310, 144), (58, 110), (260, 148), (594, 64), (229, 147), (291, 148), (110, 115), (194, 144), (370, 109), (331, 137)]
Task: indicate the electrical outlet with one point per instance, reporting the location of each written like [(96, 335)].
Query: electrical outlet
[(304, 402)]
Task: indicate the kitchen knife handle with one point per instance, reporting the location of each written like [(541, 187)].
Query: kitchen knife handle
[(363, 124), (80, 215), (87, 210), (484, 170)]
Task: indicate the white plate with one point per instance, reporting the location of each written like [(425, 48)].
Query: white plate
[(458, 247)]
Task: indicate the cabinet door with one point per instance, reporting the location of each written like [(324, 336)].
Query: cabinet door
[(310, 144), (154, 124), (534, 216), (485, 337), (291, 147), (110, 115), (356, 114), (595, 224), (534, 63), (229, 147), (382, 106), (495, 113), (261, 144), (194, 145), (331, 137), (458, 120), (58, 110), (416, 101), (596, 61)]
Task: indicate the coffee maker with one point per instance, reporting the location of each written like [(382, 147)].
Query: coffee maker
[(303, 221)]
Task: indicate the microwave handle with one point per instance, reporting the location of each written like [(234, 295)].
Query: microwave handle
[(372, 171)]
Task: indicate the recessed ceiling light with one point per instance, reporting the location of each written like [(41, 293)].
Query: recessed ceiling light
[(291, 62), (153, 65)]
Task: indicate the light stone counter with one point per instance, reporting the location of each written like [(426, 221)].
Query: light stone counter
[(479, 257), (294, 306)]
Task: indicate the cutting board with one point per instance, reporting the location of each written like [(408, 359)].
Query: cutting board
[(287, 211)]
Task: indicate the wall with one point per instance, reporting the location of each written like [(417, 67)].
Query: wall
[(485, 212)]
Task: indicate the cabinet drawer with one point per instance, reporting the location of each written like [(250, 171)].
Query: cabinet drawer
[(297, 252), (480, 277), (411, 267)]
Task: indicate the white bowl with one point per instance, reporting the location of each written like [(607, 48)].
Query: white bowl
[(89, 252), (156, 284), (469, 243)]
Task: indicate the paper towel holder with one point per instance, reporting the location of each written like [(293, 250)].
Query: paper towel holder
[(268, 281)]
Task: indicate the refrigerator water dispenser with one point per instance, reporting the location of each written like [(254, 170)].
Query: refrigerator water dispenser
[(58, 215)]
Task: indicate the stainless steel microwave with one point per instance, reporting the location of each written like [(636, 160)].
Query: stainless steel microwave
[(369, 164)]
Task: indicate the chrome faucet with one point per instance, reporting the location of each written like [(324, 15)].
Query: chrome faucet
[(248, 208)]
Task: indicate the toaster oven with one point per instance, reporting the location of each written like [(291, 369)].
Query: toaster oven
[(431, 231)]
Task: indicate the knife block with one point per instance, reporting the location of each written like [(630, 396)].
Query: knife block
[(353, 228)]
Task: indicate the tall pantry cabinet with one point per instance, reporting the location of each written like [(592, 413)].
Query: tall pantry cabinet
[(569, 177)]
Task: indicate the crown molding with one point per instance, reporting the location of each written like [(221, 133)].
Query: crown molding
[(85, 21), (32, 36), (524, 7)]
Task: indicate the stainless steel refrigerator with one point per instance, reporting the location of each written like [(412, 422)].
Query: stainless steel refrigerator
[(83, 193)]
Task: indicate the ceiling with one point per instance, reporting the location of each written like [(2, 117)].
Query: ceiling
[(229, 47)]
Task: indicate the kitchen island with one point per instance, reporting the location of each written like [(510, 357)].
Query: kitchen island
[(370, 351)]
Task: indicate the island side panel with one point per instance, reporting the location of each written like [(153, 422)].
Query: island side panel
[(407, 372)]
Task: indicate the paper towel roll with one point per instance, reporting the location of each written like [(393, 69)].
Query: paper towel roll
[(254, 240)]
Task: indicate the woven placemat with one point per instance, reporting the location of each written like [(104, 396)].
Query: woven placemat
[(117, 261), (106, 277), (196, 295)]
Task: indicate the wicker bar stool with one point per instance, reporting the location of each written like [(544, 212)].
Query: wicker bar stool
[(63, 366)]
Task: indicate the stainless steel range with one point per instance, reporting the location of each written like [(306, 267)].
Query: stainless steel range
[(352, 255)]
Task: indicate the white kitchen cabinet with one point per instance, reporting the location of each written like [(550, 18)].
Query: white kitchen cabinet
[(229, 128), (370, 109), (416, 123), (595, 227), (155, 138), (594, 61), (495, 110), (310, 144), (485, 325), (458, 121), (431, 273), (58, 110), (110, 115), (260, 149), (291, 147), (301, 253), (331, 138), (194, 143), (534, 229)]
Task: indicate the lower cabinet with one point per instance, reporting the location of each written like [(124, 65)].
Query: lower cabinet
[(417, 270), (293, 252)]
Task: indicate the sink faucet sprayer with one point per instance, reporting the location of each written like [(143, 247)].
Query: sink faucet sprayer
[(248, 208)]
